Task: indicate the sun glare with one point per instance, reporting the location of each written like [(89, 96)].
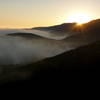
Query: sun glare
[(79, 19)]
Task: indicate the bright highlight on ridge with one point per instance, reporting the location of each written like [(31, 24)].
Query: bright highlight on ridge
[(79, 19)]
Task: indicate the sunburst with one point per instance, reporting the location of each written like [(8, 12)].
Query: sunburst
[(79, 18)]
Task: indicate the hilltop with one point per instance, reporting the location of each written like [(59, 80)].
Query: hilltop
[(92, 26)]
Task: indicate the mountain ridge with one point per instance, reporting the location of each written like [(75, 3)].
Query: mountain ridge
[(65, 27)]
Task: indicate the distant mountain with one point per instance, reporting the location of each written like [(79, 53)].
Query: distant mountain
[(27, 35), (92, 26), (90, 29), (61, 28)]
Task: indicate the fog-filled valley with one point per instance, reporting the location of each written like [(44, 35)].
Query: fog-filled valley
[(21, 47)]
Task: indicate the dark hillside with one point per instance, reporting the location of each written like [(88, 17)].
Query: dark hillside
[(81, 63)]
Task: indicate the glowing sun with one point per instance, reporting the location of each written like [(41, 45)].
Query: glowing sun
[(79, 18)]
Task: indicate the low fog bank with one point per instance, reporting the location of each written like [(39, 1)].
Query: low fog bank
[(19, 50), (46, 34), (23, 50)]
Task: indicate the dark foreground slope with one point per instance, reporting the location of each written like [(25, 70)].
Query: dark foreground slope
[(82, 63)]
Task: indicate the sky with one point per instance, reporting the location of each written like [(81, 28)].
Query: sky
[(35, 13)]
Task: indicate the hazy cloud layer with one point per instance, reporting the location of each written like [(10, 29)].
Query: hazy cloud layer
[(19, 50), (22, 50)]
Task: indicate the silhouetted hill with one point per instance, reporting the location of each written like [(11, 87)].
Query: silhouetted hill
[(61, 28), (92, 26), (27, 35)]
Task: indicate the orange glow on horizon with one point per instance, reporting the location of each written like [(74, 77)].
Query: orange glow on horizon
[(79, 18)]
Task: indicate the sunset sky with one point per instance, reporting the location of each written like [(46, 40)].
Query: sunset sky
[(33, 13)]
